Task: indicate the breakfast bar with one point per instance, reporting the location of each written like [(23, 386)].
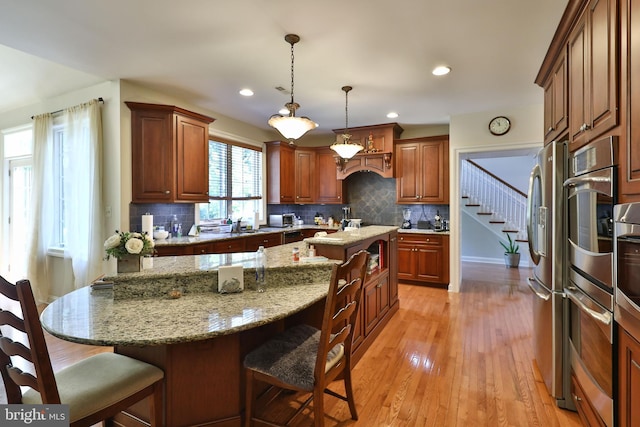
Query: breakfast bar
[(199, 338)]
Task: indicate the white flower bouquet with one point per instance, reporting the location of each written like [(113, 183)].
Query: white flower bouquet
[(124, 243)]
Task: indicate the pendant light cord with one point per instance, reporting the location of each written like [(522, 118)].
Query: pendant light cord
[(292, 60)]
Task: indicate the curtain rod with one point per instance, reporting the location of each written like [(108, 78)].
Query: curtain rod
[(100, 100)]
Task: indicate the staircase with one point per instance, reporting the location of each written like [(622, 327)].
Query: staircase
[(496, 205)]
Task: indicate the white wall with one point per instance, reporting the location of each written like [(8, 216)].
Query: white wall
[(469, 134)]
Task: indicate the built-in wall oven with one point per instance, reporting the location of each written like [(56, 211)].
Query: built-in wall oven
[(627, 289), (591, 190)]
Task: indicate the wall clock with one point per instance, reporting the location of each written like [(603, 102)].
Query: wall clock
[(499, 125)]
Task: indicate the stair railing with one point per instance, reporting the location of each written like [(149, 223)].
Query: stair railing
[(494, 196)]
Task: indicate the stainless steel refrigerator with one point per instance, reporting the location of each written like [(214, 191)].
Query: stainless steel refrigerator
[(546, 224)]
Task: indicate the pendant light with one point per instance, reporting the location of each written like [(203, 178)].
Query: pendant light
[(346, 149), (290, 126)]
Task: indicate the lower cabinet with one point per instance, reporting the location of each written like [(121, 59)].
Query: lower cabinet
[(628, 379), (588, 415), (423, 257), (376, 301), (380, 292)]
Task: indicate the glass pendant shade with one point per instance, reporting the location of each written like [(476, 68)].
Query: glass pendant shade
[(291, 127), (346, 149)]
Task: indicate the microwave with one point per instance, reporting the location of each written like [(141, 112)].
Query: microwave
[(282, 220)]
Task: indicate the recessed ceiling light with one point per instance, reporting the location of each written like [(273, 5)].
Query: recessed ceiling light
[(441, 70), (392, 115), (246, 92)]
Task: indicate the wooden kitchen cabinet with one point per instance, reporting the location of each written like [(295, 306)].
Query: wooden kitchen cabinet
[(422, 170), (305, 175), (169, 154), (593, 52), (423, 257), (280, 172), (380, 292), (555, 100), (331, 190), (267, 240), (629, 183), (628, 409)]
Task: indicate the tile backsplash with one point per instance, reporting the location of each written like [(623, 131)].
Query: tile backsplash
[(371, 198)]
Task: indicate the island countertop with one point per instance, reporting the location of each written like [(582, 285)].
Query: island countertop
[(145, 315)]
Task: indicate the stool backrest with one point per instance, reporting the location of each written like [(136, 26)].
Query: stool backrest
[(340, 314), (33, 349)]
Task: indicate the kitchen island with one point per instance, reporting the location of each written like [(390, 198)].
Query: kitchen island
[(199, 339)]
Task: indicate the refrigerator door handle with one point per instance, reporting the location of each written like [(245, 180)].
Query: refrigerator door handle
[(538, 289), (535, 255)]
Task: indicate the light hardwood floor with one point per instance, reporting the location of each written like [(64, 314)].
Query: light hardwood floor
[(445, 359)]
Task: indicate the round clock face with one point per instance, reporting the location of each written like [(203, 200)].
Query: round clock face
[(499, 125)]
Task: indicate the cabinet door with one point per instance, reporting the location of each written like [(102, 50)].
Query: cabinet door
[(383, 298), (370, 300), (305, 169), (430, 260), (593, 73), (406, 261), (408, 171), (267, 240), (434, 158), (630, 147), (628, 379), (152, 156), (555, 101), (393, 268), (330, 188), (192, 151), (280, 173)]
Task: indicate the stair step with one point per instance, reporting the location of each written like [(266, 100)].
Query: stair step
[(522, 240), (509, 231), (495, 221), (472, 205), (484, 213)]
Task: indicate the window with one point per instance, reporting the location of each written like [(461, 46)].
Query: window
[(17, 144), (235, 182)]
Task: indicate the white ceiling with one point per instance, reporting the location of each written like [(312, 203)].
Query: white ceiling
[(205, 51)]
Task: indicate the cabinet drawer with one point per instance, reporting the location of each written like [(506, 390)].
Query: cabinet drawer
[(423, 239), (228, 246)]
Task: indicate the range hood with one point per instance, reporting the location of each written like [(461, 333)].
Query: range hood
[(377, 155)]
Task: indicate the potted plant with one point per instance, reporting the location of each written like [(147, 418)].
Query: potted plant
[(128, 248), (512, 253)]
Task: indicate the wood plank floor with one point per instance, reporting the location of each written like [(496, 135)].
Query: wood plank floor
[(445, 359)]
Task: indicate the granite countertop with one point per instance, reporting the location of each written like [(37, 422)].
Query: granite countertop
[(139, 312), (210, 237), (347, 238)]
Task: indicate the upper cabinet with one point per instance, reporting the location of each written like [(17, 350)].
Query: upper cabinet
[(555, 100), (593, 73), (330, 189), (629, 183), (169, 154), (422, 169), (302, 175), (378, 143), (305, 175), (281, 172)]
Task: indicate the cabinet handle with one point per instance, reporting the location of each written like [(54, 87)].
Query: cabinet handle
[(167, 192), (576, 398), (379, 285), (550, 129), (428, 240), (587, 127)]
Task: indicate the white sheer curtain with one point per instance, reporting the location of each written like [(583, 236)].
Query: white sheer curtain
[(75, 200)]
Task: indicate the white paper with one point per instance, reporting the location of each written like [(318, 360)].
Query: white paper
[(147, 224), (230, 279)]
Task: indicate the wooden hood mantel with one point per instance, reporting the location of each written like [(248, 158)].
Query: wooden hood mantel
[(377, 141)]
